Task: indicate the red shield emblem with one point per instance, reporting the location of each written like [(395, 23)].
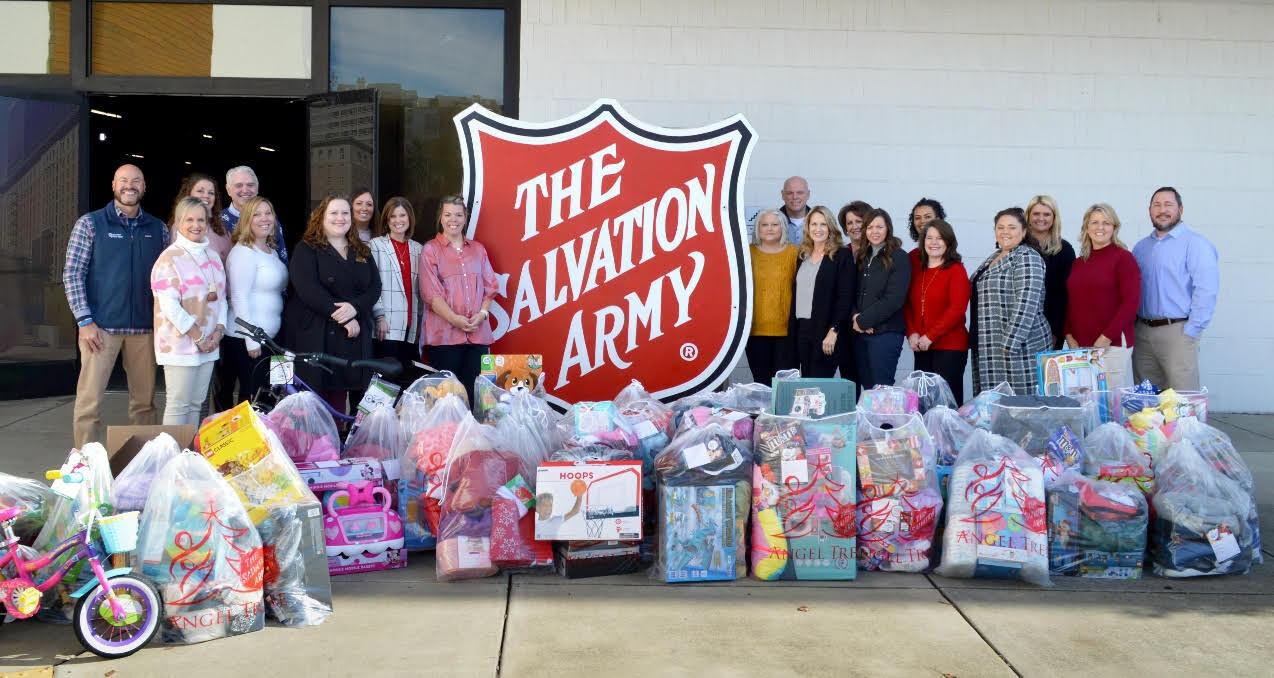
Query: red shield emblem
[(620, 247)]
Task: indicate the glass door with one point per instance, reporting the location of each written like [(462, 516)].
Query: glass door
[(342, 143), (41, 196)]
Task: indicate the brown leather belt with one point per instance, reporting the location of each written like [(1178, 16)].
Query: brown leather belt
[(1160, 322)]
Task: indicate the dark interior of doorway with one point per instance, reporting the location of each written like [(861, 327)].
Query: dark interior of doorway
[(171, 136)]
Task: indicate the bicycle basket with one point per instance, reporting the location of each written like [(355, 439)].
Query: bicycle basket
[(119, 532)]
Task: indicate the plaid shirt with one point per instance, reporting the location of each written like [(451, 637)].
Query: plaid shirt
[(79, 251)]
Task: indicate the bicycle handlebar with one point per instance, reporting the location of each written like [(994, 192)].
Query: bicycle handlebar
[(387, 366)]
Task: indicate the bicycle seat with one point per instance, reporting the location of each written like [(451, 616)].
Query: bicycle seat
[(11, 513)]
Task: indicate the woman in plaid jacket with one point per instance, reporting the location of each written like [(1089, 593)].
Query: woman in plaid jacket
[(398, 310), (1008, 323)]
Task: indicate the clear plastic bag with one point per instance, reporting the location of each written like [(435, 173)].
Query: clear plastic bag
[(305, 428), (131, 488), (595, 423), (1218, 450), (705, 497), (86, 485), (978, 410), (476, 470), (650, 420), (1203, 518), (1049, 428), (752, 398), (434, 387), (527, 431), (996, 519), (380, 436), (931, 390), (898, 501), (197, 545), (294, 595), (422, 467), (1113, 456), (35, 499), (1170, 403), (803, 498), (739, 423), (888, 400), (1096, 529), (949, 432)]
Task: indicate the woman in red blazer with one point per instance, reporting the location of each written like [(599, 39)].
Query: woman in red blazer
[(935, 307)]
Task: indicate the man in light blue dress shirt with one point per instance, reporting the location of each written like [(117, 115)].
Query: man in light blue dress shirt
[(1180, 279)]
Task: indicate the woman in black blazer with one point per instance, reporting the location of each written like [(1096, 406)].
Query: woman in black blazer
[(822, 295), (883, 281), (334, 286)]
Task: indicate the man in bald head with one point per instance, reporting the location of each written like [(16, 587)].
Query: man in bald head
[(796, 196), (107, 280)]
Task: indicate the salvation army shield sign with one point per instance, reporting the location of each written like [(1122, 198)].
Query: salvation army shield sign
[(620, 247)]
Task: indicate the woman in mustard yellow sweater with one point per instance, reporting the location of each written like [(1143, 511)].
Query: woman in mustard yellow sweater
[(774, 263)]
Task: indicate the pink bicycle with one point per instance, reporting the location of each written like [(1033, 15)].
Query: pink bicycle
[(115, 614)]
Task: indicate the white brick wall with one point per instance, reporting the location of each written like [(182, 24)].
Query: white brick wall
[(979, 103)]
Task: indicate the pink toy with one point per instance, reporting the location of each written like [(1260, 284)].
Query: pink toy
[(305, 428), (364, 535)]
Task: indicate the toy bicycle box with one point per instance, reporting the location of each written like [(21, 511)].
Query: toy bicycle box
[(596, 501)]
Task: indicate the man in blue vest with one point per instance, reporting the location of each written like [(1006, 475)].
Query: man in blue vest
[(107, 280), (242, 186)]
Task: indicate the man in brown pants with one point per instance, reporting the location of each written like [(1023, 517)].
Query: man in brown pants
[(107, 280)]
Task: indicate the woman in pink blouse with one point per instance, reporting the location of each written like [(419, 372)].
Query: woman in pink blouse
[(457, 285)]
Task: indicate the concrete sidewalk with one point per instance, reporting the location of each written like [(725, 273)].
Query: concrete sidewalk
[(405, 623)]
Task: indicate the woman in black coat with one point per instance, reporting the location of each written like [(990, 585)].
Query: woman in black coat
[(822, 295), (883, 281), (334, 286)]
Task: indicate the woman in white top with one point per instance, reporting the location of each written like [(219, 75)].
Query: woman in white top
[(397, 314), (189, 285), (257, 280), (363, 209)]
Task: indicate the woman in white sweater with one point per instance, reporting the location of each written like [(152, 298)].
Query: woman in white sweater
[(399, 309), (257, 280)]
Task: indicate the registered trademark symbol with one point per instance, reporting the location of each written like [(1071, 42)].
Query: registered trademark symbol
[(689, 352)]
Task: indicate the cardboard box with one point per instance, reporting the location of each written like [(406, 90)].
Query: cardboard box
[(813, 398), (124, 442), (234, 440), (594, 501), (697, 533), (322, 476), (579, 559)]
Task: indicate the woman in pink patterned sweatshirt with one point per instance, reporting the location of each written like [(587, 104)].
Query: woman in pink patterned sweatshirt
[(189, 284)]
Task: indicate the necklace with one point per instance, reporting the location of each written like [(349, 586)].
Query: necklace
[(924, 291)]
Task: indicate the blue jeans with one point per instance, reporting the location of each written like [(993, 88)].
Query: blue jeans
[(876, 356)]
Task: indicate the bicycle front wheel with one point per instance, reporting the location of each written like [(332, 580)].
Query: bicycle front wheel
[(101, 633)]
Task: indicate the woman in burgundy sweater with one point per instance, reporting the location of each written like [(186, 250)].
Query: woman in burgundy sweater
[(1105, 281), (935, 307)]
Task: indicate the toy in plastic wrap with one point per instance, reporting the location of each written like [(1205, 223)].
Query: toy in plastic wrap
[(898, 500), (131, 488), (380, 437), (651, 420), (812, 398), (803, 499), (298, 590), (978, 410), (500, 376), (1089, 375), (739, 423), (1096, 529), (430, 389), (595, 423), (931, 390), (198, 546), (889, 400), (475, 472), (1203, 518), (1112, 455), (1216, 448), (707, 470), (949, 432), (996, 519), (1049, 428), (422, 467), (35, 500), (305, 428), (1151, 415), (363, 534)]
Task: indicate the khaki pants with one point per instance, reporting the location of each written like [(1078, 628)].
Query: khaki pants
[(95, 372), (1166, 356)]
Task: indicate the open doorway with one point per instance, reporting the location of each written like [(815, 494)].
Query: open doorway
[(172, 136)]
